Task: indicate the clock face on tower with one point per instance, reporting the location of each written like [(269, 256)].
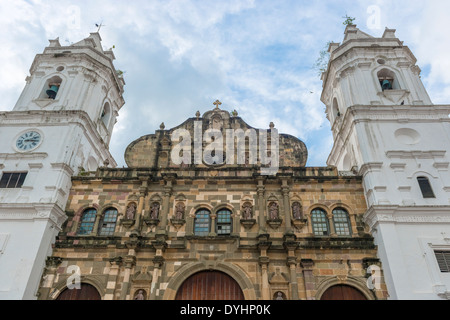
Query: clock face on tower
[(28, 141)]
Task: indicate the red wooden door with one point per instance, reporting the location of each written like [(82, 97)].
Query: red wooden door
[(342, 292), (86, 292), (210, 285)]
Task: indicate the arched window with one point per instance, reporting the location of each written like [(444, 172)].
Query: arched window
[(108, 223), (224, 222), (341, 222), (319, 222), (51, 88), (425, 187), (202, 222), (87, 221), (387, 79), (336, 111), (106, 114)]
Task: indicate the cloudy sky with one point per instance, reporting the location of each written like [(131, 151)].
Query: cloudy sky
[(255, 56)]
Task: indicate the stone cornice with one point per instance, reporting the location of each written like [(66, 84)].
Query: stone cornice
[(406, 214), (393, 113), (32, 211)]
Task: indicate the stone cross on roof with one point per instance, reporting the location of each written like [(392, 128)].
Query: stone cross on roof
[(217, 104)]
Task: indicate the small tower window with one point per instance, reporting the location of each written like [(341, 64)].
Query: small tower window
[(425, 187), (12, 180), (51, 88), (387, 80), (106, 112), (443, 259), (336, 111)]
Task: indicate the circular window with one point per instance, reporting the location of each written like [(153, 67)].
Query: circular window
[(381, 61), (60, 68), (407, 136)]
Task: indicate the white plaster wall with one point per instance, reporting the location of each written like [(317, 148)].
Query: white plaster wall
[(23, 258)]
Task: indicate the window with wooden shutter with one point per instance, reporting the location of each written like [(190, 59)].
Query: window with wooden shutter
[(12, 180), (443, 260), (425, 187)]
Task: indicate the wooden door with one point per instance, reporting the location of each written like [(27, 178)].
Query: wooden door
[(86, 292), (210, 285), (342, 292)]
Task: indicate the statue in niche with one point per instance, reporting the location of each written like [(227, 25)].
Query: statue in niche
[(247, 210), (131, 211), (139, 295), (279, 296), (273, 211), (179, 210), (154, 211), (297, 211)]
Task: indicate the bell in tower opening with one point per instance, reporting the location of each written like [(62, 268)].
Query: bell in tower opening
[(54, 87)]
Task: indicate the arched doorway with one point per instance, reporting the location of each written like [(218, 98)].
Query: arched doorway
[(342, 292), (86, 292), (210, 285)]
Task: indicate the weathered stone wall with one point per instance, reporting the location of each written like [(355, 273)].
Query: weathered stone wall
[(264, 256)]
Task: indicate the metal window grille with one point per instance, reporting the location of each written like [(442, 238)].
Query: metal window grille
[(341, 222), (320, 223), (87, 221), (108, 224), (224, 222), (202, 223)]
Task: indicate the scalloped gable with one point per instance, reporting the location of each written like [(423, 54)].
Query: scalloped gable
[(154, 150)]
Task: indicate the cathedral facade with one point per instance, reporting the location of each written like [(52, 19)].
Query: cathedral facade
[(160, 230), (215, 209)]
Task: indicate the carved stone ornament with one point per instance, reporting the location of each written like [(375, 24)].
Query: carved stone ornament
[(154, 211), (151, 222), (180, 209), (140, 295), (273, 211), (248, 223), (275, 223), (297, 211), (130, 214), (177, 223), (247, 211), (131, 211)]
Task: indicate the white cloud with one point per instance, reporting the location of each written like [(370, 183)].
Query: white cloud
[(255, 56)]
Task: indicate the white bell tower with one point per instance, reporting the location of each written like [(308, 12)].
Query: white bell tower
[(387, 130), (61, 125)]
